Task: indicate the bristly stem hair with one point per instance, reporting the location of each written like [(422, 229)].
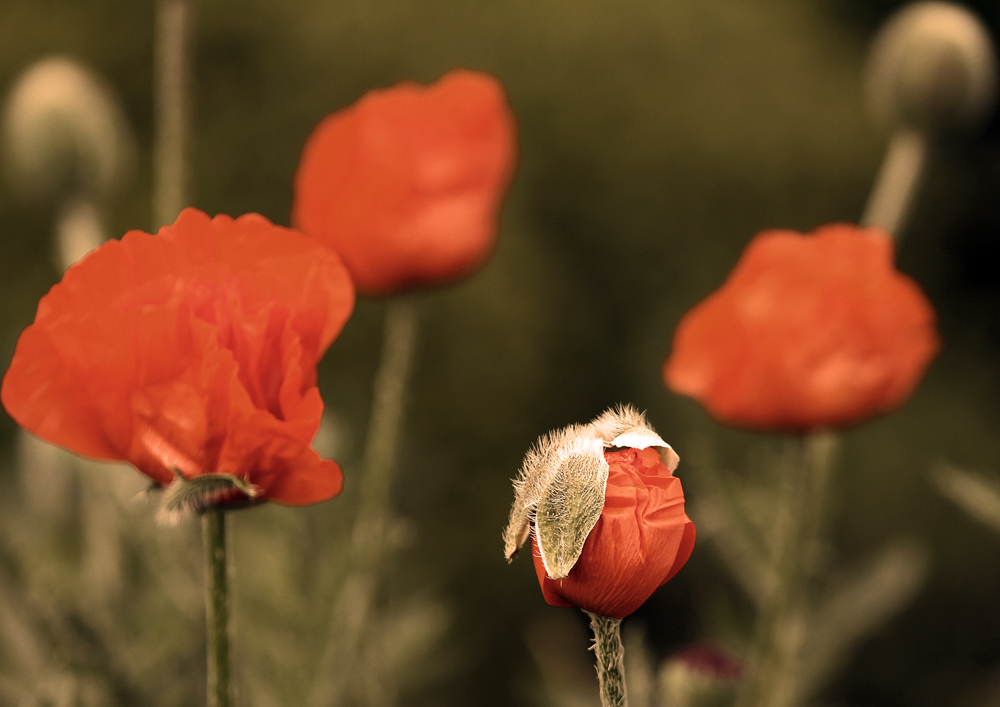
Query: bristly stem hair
[(610, 659)]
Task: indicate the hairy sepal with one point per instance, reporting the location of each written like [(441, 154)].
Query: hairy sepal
[(560, 491), (199, 493)]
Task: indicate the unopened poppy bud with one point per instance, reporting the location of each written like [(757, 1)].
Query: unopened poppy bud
[(604, 512), (932, 68), (64, 130)]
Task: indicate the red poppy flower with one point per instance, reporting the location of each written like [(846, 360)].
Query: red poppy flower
[(406, 184), (640, 541), (807, 332), (192, 351)]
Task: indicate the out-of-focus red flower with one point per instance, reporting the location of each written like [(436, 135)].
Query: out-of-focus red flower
[(640, 541), (406, 184), (807, 332), (192, 350)]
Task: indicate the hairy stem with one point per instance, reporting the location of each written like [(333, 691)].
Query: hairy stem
[(610, 659), (213, 526)]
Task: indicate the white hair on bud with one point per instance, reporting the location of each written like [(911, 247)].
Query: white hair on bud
[(624, 426), (533, 479), (612, 423), (560, 488)]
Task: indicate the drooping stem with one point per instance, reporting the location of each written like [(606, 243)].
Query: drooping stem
[(350, 621), (213, 527), (775, 652), (174, 21), (610, 659), (898, 180)]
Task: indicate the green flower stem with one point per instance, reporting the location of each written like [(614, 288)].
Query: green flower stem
[(610, 659), (174, 21), (774, 653), (382, 443), (346, 652), (897, 182), (213, 527)]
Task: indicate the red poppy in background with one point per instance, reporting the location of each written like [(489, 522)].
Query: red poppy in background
[(193, 351), (406, 184), (807, 332), (641, 540)]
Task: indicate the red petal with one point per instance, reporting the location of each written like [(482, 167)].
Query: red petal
[(273, 456), (808, 331), (406, 184), (193, 350), (34, 380)]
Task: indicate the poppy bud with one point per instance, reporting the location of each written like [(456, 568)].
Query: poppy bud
[(64, 132), (604, 512), (932, 68)]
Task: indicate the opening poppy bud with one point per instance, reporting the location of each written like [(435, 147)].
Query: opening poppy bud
[(604, 512)]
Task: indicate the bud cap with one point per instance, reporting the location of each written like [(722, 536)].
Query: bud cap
[(559, 491)]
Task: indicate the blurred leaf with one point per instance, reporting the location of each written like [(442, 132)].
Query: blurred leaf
[(728, 511), (732, 543), (864, 600), (640, 667), (559, 647), (975, 493), (681, 684)]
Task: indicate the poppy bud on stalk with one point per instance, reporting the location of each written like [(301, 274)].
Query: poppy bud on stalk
[(604, 512)]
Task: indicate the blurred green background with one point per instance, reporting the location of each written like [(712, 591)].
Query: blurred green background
[(656, 137)]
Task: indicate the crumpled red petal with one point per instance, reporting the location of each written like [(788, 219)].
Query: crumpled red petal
[(406, 184), (193, 350), (807, 332)]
